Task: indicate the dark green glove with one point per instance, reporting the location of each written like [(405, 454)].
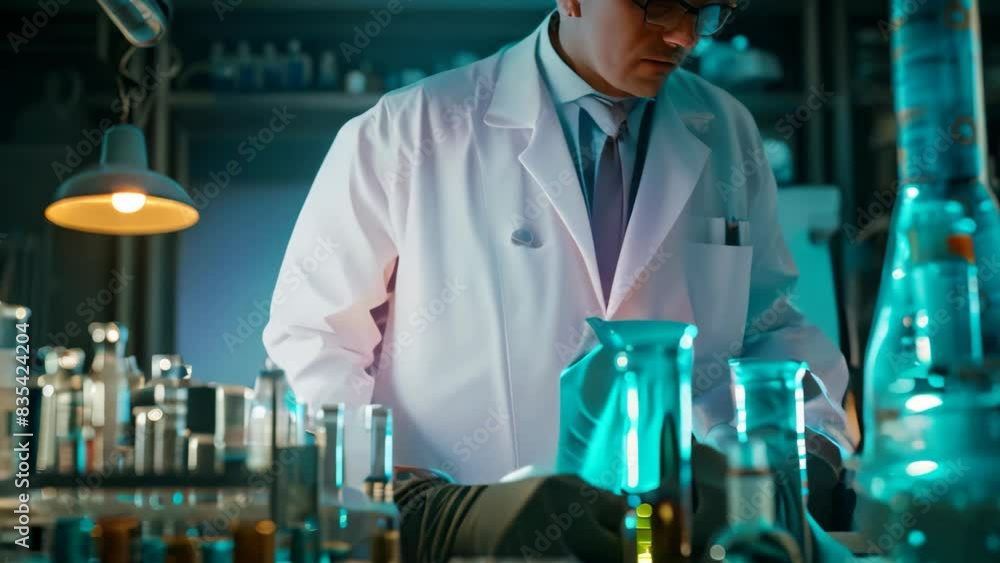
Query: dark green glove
[(555, 516)]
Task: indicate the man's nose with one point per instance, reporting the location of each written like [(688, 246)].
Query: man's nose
[(684, 34)]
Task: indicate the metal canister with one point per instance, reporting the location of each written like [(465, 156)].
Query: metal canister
[(145, 438), (205, 429), (167, 366), (73, 432), (112, 418), (237, 401), (169, 431)]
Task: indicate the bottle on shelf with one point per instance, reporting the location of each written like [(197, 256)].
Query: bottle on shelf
[(112, 400), (300, 66), (248, 77), (273, 72), (328, 73), (222, 69)]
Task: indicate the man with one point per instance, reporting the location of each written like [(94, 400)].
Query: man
[(481, 215)]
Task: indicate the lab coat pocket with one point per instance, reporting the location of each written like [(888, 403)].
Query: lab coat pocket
[(718, 279)]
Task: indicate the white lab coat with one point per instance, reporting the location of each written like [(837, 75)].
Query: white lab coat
[(425, 191)]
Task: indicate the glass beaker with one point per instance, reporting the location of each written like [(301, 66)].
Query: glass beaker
[(770, 407), (625, 413)]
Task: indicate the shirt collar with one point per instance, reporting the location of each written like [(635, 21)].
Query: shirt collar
[(565, 84)]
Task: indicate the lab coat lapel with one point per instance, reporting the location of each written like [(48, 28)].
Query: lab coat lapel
[(521, 100), (675, 159)]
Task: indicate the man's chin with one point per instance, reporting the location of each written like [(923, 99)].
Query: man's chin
[(649, 86)]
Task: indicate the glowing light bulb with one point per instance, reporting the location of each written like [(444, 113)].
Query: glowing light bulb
[(128, 202)]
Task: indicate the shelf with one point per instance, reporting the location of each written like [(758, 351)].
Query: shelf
[(235, 114), (251, 101)]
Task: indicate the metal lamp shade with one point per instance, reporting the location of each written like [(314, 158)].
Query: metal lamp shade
[(92, 200)]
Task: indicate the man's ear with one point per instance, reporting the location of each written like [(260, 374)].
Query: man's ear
[(569, 8)]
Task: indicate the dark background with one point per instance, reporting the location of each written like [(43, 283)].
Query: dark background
[(192, 289)]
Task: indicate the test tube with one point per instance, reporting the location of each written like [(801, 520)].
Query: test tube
[(378, 484), (331, 470)]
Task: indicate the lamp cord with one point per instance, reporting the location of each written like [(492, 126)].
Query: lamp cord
[(140, 116)]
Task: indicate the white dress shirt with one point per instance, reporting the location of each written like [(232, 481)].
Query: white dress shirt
[(566, 88)]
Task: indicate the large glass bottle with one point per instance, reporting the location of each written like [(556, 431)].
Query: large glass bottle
[(113, 410), (938, 85)]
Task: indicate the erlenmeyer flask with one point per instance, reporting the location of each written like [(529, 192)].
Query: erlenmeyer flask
[(938, 86)]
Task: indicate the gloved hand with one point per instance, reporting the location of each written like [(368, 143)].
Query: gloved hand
[(554, 516)]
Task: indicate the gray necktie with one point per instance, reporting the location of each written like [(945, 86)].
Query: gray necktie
[(607, 216)]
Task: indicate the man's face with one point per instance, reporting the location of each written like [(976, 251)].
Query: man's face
[(631, 55)]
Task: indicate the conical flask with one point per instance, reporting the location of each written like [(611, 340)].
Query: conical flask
[(943, 195)]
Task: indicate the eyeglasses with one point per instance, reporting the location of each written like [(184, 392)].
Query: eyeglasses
[(709, 18)]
